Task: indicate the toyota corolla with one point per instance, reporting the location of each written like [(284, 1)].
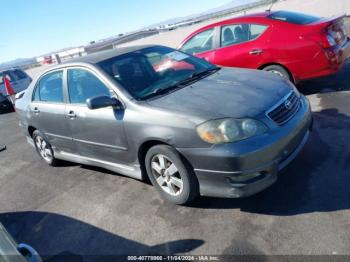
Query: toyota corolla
[(153, 112)]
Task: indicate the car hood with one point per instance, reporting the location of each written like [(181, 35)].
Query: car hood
[(230, 92)]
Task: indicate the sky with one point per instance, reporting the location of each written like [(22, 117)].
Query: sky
[(35, 27)]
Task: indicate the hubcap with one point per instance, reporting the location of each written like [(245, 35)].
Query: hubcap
[(43, 148), (277, 73), (167, 175)]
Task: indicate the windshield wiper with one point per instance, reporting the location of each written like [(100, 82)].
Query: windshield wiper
[(204, 72), (181, 84), (164, 90)]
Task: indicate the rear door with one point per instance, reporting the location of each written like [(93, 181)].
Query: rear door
[(48, 110), (202, 45), (97, 134), (242, 45)]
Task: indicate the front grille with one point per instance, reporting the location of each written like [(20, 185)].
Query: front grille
[(285, 109)]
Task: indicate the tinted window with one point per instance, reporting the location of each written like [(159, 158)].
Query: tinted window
[(18, 74), (83, 85), (154, 70), (199, 43), (50, 88), (295, 18), (240, 33), (13, 75)]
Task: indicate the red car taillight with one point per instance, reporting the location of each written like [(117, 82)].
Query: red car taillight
[(329, 34), (331, 40)]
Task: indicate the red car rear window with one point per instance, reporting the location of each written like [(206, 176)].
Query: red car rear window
[(294, 18)]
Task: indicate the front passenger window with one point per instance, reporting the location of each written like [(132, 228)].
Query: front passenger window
[(83, 84)]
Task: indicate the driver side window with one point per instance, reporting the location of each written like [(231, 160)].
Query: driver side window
[(82, 85), (204, 41)]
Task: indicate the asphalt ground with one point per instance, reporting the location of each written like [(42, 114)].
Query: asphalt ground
[(79, 210)]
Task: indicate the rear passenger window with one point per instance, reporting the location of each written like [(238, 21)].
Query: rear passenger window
[(199, 43), (50, 88), (256, 31), (293, 17), (83, 85), (240, 33)]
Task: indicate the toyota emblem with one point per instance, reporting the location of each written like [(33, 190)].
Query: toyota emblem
[(288, 104)]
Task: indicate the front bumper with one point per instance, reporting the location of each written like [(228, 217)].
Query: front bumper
[(249, 166)]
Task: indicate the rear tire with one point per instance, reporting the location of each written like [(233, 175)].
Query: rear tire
[(278, 70), (171, 175), (6, 107), (44, 148)]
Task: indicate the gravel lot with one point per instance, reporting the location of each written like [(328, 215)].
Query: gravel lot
[(81, 210)]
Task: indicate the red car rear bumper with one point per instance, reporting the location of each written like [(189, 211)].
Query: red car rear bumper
[(327, 63)]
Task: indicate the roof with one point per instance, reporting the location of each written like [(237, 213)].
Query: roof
[(241, 17), (105, 55)]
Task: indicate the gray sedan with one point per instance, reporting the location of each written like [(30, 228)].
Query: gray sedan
[(154, 112)]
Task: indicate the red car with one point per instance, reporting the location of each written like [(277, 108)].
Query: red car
[(293, 45)]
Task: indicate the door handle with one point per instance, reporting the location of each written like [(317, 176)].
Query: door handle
[(36, 110), (71, 114), (256, 52)]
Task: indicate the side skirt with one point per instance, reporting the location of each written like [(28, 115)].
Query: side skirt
[(130, 171)]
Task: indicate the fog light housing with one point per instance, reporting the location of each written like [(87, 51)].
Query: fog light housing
[(244, 177)]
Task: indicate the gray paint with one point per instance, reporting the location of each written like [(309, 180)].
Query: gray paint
[(111, 138)]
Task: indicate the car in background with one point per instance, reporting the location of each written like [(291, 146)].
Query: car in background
[(151, 111), (19, 80), (10, 251), (48, 60), (293, 45)]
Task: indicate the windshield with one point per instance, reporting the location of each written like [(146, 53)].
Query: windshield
[(151, 71), (292, 17)]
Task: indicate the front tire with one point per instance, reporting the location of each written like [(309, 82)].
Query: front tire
[(44, 148), (171, 175)]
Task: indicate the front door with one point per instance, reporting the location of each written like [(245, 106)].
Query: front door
[(98, 134)]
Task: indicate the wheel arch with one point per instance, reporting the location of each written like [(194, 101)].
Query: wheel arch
[(143, 149), (31, 130)]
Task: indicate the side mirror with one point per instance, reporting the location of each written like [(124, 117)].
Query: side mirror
[(103, 101)]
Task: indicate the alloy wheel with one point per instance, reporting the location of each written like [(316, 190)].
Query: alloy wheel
[(276, 72), (167, 175), (43, 148)]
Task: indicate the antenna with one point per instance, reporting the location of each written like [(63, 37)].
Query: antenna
[(272, 4)]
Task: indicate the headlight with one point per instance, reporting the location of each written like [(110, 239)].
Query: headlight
[(230, 130)]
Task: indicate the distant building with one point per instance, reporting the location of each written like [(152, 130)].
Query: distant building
[(61, 55)]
